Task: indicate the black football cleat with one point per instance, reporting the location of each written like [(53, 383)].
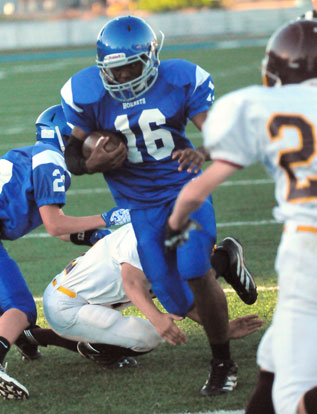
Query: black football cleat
[(223, 378), (86, 350), (237, 273), (10, 388), (28, 346)]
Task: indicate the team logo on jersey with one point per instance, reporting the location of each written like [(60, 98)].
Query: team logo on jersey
[(126, 105)]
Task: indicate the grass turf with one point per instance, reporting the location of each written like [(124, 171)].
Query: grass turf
[(168, 379)]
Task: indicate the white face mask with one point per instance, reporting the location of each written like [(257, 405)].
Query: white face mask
[(131, 90)]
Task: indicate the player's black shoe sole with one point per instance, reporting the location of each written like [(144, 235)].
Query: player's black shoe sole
[(10, 388), (223, 378), (237, 274), (104, 360)]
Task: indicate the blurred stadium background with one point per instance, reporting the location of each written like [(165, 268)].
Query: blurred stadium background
[(27, 8), (67, 23)]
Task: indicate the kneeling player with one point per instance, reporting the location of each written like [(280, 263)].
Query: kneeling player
[(82, 305)]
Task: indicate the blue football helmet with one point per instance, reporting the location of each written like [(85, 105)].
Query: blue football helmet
[(123, 41), (52, 128)]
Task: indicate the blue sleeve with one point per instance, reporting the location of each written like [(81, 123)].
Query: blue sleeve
[(49, 185), (50, 178), (76, 118), (200, 95), (79, 96)]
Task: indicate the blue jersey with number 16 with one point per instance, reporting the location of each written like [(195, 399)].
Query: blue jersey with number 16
[(153, 127)]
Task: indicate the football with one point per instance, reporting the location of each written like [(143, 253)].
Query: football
[(91, 141)]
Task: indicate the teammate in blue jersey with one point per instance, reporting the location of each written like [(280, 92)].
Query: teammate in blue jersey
[(33, 183), (149, 103)]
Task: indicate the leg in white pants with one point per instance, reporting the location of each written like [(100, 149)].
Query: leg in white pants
[(293, 335), (75, 319)]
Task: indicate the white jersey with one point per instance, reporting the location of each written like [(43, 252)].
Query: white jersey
[(278, 127), (82, 303), (96, 275)]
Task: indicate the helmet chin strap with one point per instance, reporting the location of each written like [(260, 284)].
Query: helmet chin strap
[(268, 75), (277, 80), (60, 139)]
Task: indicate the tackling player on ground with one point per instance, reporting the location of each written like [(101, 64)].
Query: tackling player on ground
[(83, 304)]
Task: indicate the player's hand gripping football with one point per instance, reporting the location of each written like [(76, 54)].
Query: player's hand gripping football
[(189, 159), (101, 160), (174, 238)]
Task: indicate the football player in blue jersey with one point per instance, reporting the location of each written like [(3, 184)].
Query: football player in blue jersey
[(33, 183), (149, 103)]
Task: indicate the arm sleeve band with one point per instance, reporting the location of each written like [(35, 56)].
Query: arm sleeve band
[(82, 238), (73, 156)]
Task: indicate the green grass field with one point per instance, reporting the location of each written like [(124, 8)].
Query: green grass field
[(167, 380)]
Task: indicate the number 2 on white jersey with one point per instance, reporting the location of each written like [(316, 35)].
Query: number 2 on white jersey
[(299, 190)]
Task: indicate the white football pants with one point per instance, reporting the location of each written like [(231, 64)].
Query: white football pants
[(289, 347), (75, 319)]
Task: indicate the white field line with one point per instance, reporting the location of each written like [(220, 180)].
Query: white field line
[(21, 130), (217, 412), (16, 69), (61, 63), (87, 191), (105, 190), (225, 184), (259, 289), (219, 225)]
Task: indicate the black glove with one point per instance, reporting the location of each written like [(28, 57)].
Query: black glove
[(174, 238), (88, 237)]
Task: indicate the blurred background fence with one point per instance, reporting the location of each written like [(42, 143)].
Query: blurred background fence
[(68, 23), (27, 8)]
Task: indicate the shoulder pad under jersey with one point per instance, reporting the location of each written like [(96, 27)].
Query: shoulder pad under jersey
[(179, 72), (87, 86)]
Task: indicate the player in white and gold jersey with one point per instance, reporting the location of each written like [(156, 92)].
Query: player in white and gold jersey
[(83, 304), (278, 127)]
